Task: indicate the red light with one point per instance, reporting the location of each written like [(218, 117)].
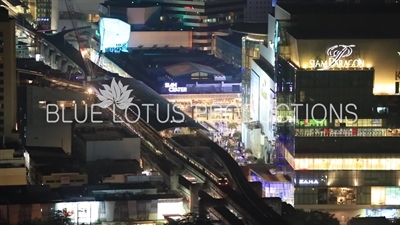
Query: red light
[(188, 7)]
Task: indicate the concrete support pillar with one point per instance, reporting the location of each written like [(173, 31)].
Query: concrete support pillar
[(63, 65), (58, 61), (110, 206), (174, 179), (44, 50), (194, 197), (53, 60)]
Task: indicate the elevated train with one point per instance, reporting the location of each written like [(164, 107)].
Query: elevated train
[(144, 131)]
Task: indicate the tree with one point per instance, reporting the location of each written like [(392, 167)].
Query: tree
[(248, 152), (61, 217), (237, 135), (225, 140), (233, 125), (313, 217)]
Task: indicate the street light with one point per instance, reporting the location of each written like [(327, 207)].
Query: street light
[(89, 91)]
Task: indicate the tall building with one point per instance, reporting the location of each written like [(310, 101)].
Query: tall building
[(337, 110), (202, 17), (8, 79), (52, 15)]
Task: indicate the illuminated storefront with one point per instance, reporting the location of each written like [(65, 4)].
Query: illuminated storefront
[(358, 128), (281, 189), (90, 212)]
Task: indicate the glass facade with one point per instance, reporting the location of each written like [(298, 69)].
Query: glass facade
[(362, 162), (228, 52), (285, 128), (250, 51), (342, 195), (338, 178), (283, 190)]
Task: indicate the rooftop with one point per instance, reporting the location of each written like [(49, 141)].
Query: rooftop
[(90, 133), (56, 168), (109, 167), (266, 67), (30, 194), (145, 95), (188, 68), (48, 155), (10, 145), (340, 9), (70, 51), (251, 28), (235, 39), (129, 4), (264, 171), (119, 186)]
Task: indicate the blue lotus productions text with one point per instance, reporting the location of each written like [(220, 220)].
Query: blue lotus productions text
[(55, 114), (331, 112)]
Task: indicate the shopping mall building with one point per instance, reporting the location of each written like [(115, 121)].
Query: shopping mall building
[(203, 92), (335, 105)]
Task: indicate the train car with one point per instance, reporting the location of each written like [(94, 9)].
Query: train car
[(223, 181)]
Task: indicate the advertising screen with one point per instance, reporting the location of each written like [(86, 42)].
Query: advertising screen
[(254, 96), (267, 102), (114, 35)]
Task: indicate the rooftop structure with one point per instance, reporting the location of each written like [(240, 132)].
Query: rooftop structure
[(106, 168), (101, 133), (235, 39), (187, 68)]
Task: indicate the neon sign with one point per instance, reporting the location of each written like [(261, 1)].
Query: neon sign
[(173, 88), (336, 55), (308, 182)]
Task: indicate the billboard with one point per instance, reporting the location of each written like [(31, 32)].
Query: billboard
[(381, 55), (114, 35), (254, 96), (267, 102)]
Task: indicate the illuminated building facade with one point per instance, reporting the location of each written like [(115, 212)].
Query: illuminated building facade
[(202, 17), (337, 113), (202, 92)]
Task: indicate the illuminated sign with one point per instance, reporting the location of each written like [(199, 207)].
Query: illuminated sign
[(308, 181), (336, 59), (173, 88)]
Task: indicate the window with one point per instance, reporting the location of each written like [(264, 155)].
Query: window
[(66, 104), (1, 73), (1, 113)]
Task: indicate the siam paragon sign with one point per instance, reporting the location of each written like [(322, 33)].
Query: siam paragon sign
[(338, 58)]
